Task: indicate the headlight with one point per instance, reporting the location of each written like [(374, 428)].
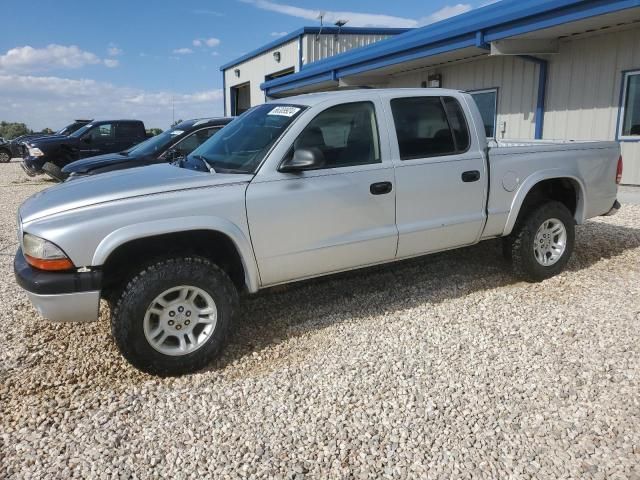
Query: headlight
[(35, 152), (43, 254)]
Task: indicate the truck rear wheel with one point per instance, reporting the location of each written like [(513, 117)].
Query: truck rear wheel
[(542, 242), (173, 316), (5, 155)]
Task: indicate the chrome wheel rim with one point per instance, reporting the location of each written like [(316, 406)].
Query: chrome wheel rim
[(4, 157), (550, 242), (180, 320)]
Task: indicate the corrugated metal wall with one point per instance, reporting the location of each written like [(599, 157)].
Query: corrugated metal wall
[(323, 46), (583, 92), (515, 79), (255, 69)]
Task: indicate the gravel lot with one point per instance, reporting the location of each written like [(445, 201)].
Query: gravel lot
[(438, 367)]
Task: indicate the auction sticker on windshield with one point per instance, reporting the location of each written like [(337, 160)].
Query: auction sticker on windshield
[(284, 111)]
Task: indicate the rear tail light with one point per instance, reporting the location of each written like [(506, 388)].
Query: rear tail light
[(619, 171)]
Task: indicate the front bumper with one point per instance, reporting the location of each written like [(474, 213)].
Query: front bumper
[(60, 296), (30, 169)]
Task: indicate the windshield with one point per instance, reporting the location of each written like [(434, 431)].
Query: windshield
[(156, 144), (80, 131), (241, 146)]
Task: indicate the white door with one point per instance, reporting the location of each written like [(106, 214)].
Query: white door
[(441, 177), (333, 218)]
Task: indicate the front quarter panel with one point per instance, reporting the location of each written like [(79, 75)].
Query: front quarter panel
[(90, 234)]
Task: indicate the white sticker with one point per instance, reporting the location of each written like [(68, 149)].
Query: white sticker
[(284, 111), (176, 132)]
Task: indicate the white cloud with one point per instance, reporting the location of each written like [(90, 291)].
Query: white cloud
[(278, 34), (182, 51), (206, 42), (357, 19), (52, 102), (111, 62), (212, 42), (114, 51), (28, 59)]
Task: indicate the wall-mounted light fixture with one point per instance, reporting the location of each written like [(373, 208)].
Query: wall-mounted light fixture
[(276, 56), (237, 72), (434, 81)]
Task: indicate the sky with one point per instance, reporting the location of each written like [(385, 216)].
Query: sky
[(142, 59)]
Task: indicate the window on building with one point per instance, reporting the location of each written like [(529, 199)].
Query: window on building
[(346, 135), (630, 113), (429, 127), (487, 101)]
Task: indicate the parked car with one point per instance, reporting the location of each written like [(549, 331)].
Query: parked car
[(17, 144), (169, 146), (304, 187), (50, 154), (5, 151)]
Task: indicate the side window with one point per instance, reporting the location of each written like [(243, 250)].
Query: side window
[(487, 101), (128, 130), (193, 141), (346, 135), (422, 127), (101, 132), (458, 123), (630, 114)]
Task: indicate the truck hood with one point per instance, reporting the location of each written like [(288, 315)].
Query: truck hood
[(92, 163), (43, 142), (120, 184)]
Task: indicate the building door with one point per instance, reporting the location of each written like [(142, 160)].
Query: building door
[(240, 99)]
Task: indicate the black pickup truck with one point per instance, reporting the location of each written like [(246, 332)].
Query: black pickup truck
[(169, 146), (50, 154)]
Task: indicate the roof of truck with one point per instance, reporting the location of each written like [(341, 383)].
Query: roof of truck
[(310, 99)]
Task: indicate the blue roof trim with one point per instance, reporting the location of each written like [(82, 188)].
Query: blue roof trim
[(499, 20), (313, 30)]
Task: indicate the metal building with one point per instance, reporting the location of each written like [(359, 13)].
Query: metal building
[(548, 69), (243, 76)]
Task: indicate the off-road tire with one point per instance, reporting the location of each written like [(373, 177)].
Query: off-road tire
[(128, 315), (5, 155), (54, 171), (518, 247)]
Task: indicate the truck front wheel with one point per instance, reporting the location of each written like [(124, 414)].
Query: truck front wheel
[(173, 316), (542, 242)]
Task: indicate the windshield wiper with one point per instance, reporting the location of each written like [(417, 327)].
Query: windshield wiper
[(207, 164)]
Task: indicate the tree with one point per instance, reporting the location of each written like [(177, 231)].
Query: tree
[(176, 122), (154, 131), (9, 130)]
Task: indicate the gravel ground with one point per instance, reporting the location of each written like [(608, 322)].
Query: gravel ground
[(443, 367)]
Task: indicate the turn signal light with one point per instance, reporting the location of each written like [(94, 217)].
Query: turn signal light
[(51, 265)]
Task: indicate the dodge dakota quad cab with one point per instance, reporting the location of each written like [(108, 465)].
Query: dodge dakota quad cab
[(169, 146), (50, 154), (313, 185)]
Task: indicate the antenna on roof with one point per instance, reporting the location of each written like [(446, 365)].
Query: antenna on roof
[(340, 23), (321, 15)]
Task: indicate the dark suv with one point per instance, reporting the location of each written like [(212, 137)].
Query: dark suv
[(171, 145), (50, 154)]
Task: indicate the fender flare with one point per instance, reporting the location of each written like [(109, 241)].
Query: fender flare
[(137, 231), (538, 177)]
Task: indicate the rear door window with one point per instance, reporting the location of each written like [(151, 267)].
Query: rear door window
[(128, 130), (429, 127)]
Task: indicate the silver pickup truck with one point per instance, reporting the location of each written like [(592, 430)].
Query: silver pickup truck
[(293, 189)]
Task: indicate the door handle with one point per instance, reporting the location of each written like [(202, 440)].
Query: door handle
[(471, 176), (380, 188)]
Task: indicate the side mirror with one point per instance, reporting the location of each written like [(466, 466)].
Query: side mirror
[(303, 159)]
